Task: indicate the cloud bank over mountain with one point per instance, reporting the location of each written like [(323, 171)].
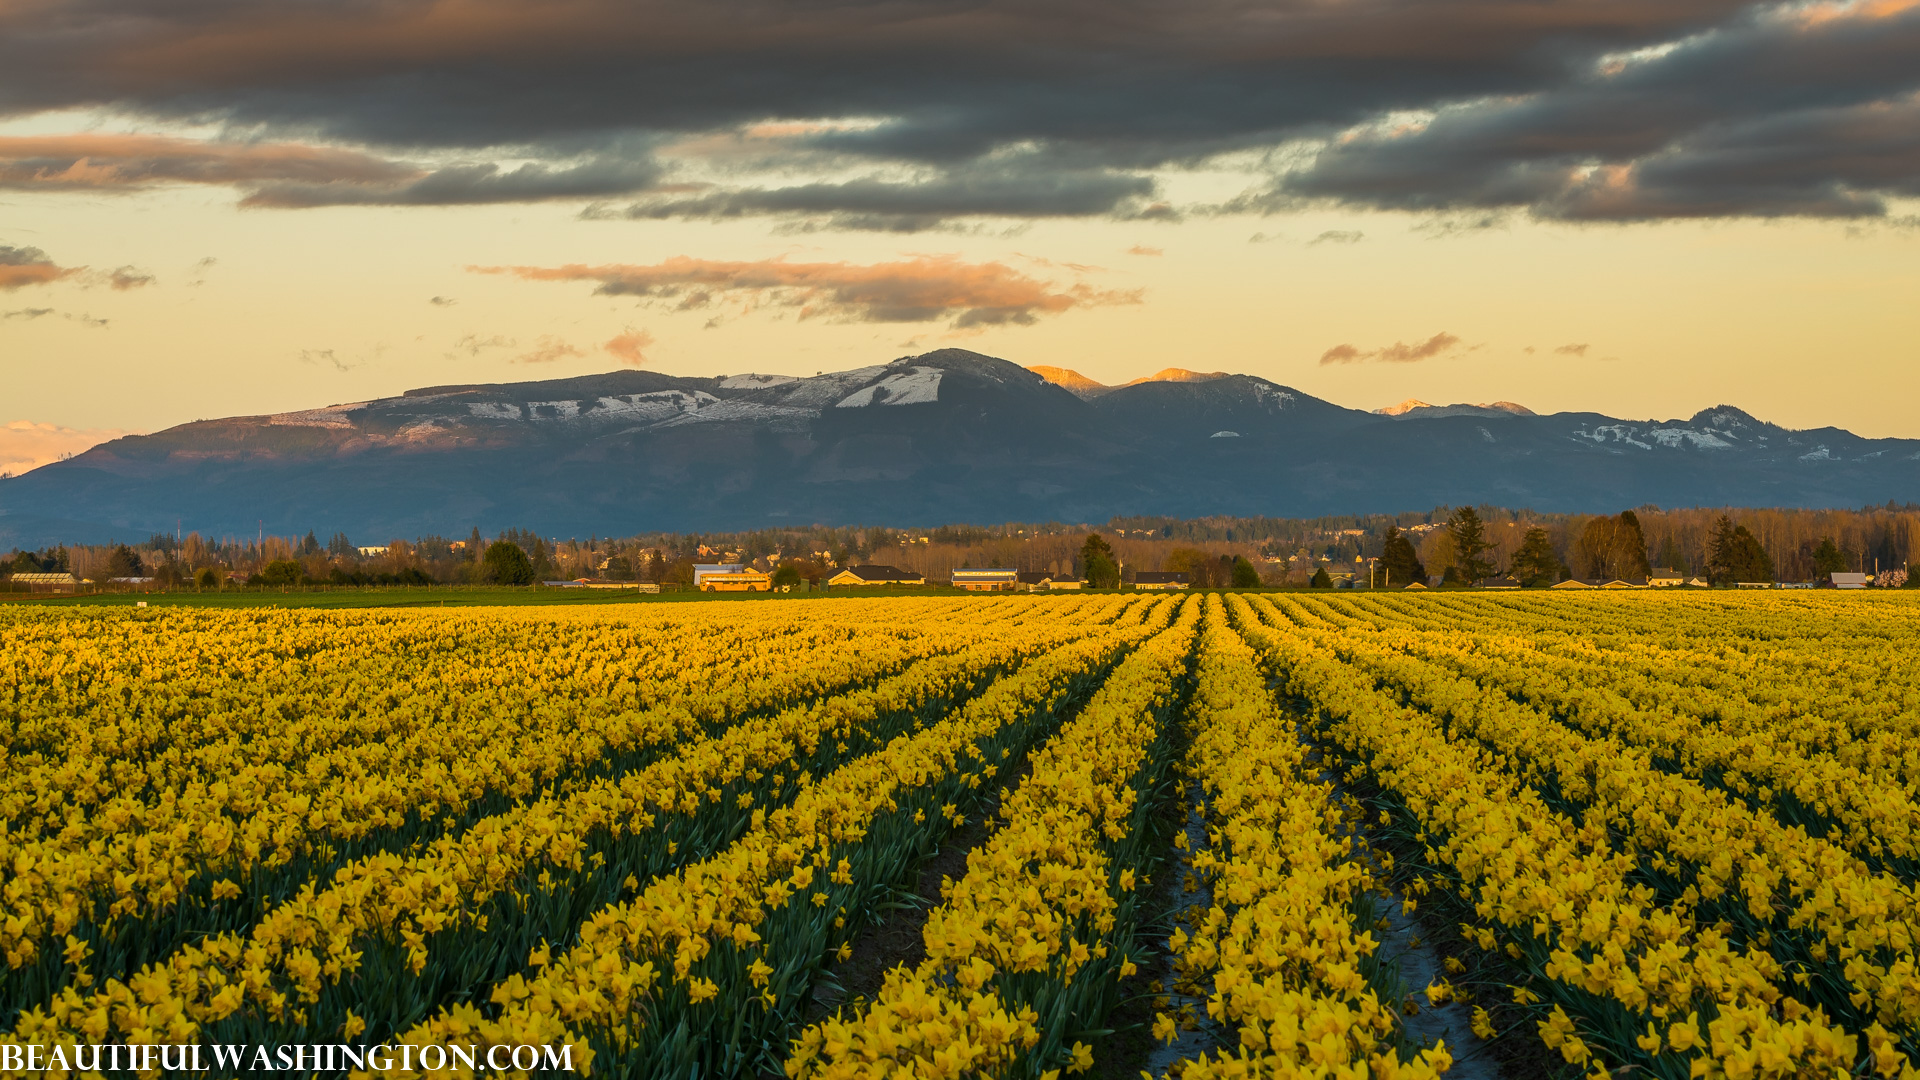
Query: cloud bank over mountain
[(917, 114)]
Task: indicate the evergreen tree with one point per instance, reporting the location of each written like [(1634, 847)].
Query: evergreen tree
[(1630, 547), (507, 564), (474, 545), (1750, 560), (1097, 563), (540, 554), (1244, 574), (1720, 553), (340, 547), (1469, 543), (656, 567), (1828, 559), (124, 563), (1320, 579), (311, 545), (1670, 557), (1535, 564), (1399, 563)]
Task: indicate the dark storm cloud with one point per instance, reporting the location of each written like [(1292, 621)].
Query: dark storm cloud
[(1028, 109), (908, 206), (1778, 116), (292, 175), (456, 185), (962, 78), (121, 162)]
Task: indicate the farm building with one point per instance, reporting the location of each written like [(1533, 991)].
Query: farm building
[(50, 582), (991, 579), (1035, 581), (875, 575)]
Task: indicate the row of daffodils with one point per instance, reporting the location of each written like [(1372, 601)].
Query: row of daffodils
[(1032, 943), (1673, 836), (426, 756), (1278, 942), (385, 938), (1650, 921), (696, 975)]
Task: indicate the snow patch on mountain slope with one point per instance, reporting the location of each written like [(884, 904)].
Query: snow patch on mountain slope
[(755, 382), (741, 412), (494, 410), (920, 386), (333, 416), (821, 391), (1700, 440), (1264, 390), (659, 405), (1672, 438), (1606, 433), (659, 408)]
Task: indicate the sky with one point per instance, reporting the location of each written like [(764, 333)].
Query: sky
[(213, 208)]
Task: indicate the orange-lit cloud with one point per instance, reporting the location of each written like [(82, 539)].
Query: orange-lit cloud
[(546, 351), (630, 347), (137, 161), (26, 445), (1142, 249), (22, 266), (1397, 353), (924, 289), (294, 175)]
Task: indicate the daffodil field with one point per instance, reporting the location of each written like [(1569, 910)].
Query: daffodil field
[(1638, 834)]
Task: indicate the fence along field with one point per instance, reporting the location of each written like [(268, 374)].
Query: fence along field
[(1668, 836)]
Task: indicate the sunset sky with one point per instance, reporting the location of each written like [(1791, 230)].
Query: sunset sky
[(211, 208)]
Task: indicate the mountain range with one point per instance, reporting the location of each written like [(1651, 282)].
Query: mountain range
[(948, 436)]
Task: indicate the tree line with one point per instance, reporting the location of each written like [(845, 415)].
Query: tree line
[(1794, 544), (1607, 549)]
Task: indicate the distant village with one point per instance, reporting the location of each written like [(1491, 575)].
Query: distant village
[(1464, 547)]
